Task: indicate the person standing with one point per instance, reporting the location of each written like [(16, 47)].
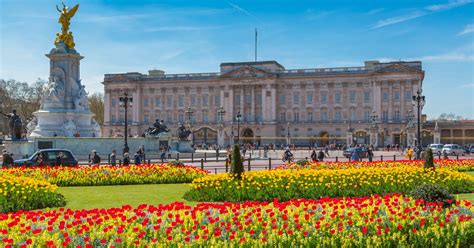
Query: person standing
[(95, 158), (355, 155), (314, 156), (321, 155), (40, 159), (126, 159), (59, 159), (370, 153), (409, 153), (141, 153), (327, 151), (113, 158)]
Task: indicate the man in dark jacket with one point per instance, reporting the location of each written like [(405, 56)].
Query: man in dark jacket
[(95, 158)]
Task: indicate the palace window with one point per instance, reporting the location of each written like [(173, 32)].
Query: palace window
[(396, 96), (338, 116), (259, 116), (157, 101), (324, 97), (259, 99), (193, 100), (181, 100), (385, 96), (205, 100), (146, 119), (181, 118), (114, 118), (217, 101), (296, 98), (309, 98), (247, 117), (352, 96), (385, 115), (408, 96), (353, 115), (366, 116), (310, 116), (296, 117), (324, 116), (205, 117), (366, 97), (282, 117), (337, 97), (169, 101), (248, 99), (114, 102), (145, 102), (237, 100), (282, 99), (396, 115)]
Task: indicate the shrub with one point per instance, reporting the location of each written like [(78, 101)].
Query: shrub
[(176, 163), (22, 193), (302, 162), (237, 168), (433, 193), (429, 164)]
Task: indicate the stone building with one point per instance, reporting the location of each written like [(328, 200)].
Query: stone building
[(301, 106)]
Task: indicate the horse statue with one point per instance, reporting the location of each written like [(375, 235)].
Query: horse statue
[(157, 128), (183, 133)]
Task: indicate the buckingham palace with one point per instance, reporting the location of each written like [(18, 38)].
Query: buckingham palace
[(317, 106)]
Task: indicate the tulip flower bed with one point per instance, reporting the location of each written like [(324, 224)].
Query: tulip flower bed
[(456, 165), (26, 194), (312, 184), (109, 175), (389, 221)]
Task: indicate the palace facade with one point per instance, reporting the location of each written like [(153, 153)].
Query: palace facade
[(306, 106)]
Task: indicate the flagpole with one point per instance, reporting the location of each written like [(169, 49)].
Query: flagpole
[(255, 44)]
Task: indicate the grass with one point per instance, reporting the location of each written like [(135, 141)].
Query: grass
[(154, 194), (116, 196)]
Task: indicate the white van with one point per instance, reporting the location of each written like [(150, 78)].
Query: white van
[(453, 149), (436, 148)]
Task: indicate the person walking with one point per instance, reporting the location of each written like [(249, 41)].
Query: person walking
[(113, 158), (137, 158), (314, 156), (126, 159), (163, 155), (409, 153), (321, 156), (370, 153), (95, 158), (326, 150)]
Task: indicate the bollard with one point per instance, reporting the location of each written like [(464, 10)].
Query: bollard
[(439, 156), (177, 156), (120, 162), (108, 159), (89, 157), (205, 157), (249, 162), (192, 157), (226, 165), (394, 158), (457, 156), (202, 164), (337, 158), (162, 160), (144, 156), (306, 158), (149, 162), (381, 157), (217, 157), (349, 159), (215, 170), (270, 163)]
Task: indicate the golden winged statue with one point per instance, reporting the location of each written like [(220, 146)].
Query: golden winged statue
[(65, 19)]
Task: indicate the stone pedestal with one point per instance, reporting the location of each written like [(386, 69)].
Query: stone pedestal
[(64, 109), (436, 135), (20, 148), (221, 137), (182, 146), (411, 138), (374, 138), (349, 139)]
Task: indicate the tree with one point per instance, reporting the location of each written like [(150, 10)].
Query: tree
[(237, 168), (96, 105), (429, 164), (449, 117)]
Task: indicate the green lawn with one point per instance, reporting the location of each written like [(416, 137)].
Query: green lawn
[(116, 196), (469, 197)]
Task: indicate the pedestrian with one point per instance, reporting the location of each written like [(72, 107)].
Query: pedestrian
[(7, 159), (355, 155), (59, 159), (95, 158), (113, 158), (321, 155), (40, 159), (163, 154), (141, 153), (409, 153), (137, 158), (314, 156), (370, 153), (327, 151), (126, 159)]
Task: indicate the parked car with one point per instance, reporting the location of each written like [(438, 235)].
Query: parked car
[(361, 150), (471, 150), (49, 158), (436, 148), (453, 149), (467, 150)]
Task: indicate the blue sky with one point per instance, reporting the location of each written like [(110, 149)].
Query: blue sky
[(196, 36)]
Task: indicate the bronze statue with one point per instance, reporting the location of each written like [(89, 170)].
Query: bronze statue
[(65, 20), (157, 128), (15, 125), (183, 133)]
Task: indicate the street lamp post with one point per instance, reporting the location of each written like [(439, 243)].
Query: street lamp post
[(238, 118), (288, 134), (419, 100), (124, 102), (220, 119)]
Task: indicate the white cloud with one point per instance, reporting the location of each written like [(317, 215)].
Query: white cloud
[(419, 13), (238, 8), (467, 30), (375, 11)]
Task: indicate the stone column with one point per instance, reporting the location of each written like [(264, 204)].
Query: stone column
[(253, 104), (273, 101), (264, 103), (230, 105), (220, 136), (242, 100), (135, 106), (402, 100), (437, 134), (390, 101), (107, 102)]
